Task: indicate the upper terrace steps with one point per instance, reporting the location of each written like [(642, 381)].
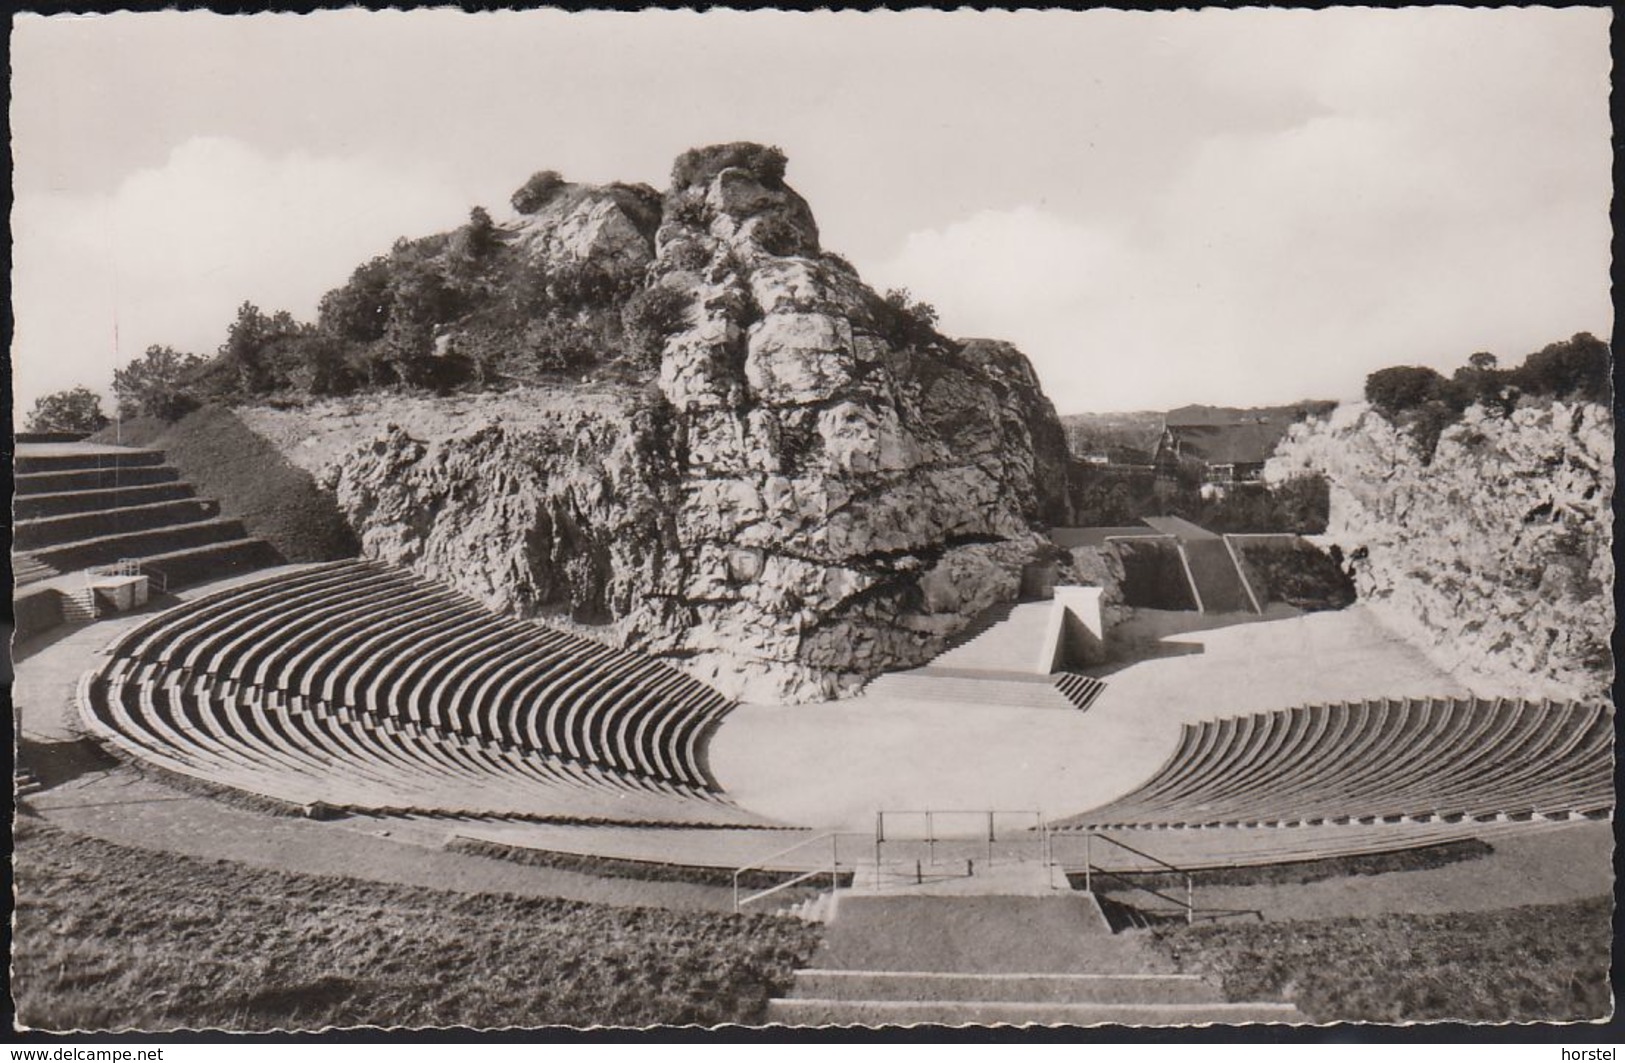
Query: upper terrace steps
[(57, 481), (39, 533), (81, 458), (81, 505), (141, 544), (97, 500)]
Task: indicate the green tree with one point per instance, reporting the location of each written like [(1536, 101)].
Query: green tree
[(359, 311), (244, 349), (74, 410), (1403, 387), (154, 385), (1577, 368)]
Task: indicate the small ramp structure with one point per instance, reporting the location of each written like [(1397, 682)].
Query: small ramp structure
[(1030, 659)]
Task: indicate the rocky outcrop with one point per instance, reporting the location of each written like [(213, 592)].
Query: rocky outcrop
[(814, 486), (1495, 557)]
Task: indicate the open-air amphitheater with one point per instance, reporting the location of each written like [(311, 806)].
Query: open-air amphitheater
[(982, 837)]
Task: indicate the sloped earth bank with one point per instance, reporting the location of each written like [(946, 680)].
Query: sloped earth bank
[(1535, 963), (1496, 556), (811, 488), (111, 938)]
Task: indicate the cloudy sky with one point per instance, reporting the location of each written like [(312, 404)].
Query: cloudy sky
[(1223, 206)]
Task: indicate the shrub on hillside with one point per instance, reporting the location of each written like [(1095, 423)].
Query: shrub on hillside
[(698, 167), (778, 236), (648, 318), (537, 192), (1300, 505), (1398, 389), (74, 410), (359, 311), (558, 343), (1423, 403), (902, 321), (586, 285), (155, 385)]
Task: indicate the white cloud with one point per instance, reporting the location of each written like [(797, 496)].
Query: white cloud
[(168, 256), (1283, 265)]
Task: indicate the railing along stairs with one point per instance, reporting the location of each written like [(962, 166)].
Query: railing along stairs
[(764, 864), (1178, 906)]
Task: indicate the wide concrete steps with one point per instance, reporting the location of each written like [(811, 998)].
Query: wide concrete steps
[(198, 564), (80, 505), (1004, 988), (794, 1011), (1011, 645), (1048, 959), (26, 570), (105, 549), (96, 500), (929, 686), (42, 532), (73, 457), (93, 479)]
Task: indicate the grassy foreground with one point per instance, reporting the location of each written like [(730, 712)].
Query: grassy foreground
[(110, 937), (1529, 964)]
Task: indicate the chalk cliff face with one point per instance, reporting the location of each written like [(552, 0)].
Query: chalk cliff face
[(811, 488), (1495, 557)]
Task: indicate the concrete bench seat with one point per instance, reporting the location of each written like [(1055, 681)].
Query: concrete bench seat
[(158, 637), (1382, 761), (367, 688)]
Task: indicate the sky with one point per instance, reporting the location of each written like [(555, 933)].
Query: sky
[(1233, 207)]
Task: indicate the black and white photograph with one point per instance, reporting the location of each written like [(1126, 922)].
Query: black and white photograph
[(780, 522)]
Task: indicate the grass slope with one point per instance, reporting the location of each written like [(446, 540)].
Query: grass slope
[(110, 937), (226, 460), (1528, 964)]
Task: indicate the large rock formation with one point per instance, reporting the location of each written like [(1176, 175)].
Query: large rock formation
[(813, 487), (1495, 557)]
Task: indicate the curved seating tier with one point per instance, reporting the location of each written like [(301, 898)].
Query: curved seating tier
[(363, 687), (1378, 761)]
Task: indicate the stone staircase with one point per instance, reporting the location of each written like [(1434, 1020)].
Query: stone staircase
[(900, 958), (79, 505), (935, 685)]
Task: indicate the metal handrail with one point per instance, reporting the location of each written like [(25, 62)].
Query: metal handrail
[(1089, 870), (1137, 852), (1190, 910), (762, 862)]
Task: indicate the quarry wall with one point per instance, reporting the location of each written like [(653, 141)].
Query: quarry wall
[(1495, 556)]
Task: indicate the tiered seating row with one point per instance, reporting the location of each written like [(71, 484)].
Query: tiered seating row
[(1387, 760), (383, 691)]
